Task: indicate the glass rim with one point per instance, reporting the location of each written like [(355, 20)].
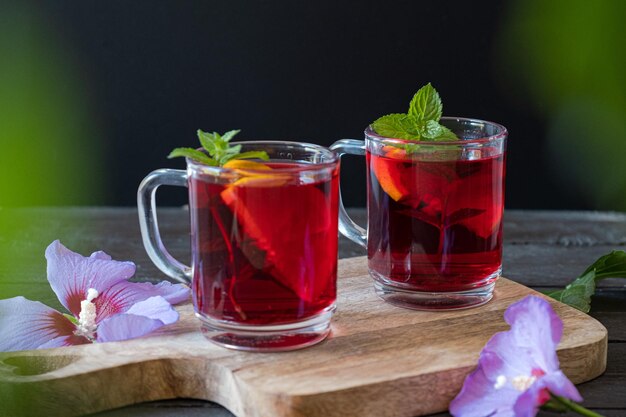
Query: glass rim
[(501, 134), (310, 166)]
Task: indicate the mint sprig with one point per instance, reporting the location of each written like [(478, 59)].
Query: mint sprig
[(426, 104), (578, 293), (421, 122), (218, 150)]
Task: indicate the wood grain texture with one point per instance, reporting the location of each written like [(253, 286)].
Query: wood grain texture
[(379, 361)]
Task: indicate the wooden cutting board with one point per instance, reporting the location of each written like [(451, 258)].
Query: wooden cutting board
[(380, 360)]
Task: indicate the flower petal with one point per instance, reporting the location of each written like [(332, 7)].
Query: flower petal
[(531, 342), (101, 255), (140, 319), (527, 404), (558, 384), (479, 398), (536, 327), (121, 296), (26, 324), (126, 326), (71, 275), (155, 308), (512, 360), (527, 350)]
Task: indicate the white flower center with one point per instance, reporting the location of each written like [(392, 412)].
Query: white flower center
[(520, 382), (523, 382), (500, 382), (87, 317)]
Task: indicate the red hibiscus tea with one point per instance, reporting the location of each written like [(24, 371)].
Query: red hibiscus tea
[(267, 246), (434, 236), (435, 226), (263, 239), (264, 248)]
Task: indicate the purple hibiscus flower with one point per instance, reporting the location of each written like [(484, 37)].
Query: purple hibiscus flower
[(518, 370), (104, 306)]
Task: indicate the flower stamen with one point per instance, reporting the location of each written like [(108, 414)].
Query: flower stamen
[(87, 317), (523, 382)]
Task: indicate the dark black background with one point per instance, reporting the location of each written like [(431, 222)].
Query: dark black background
[(313, 71)]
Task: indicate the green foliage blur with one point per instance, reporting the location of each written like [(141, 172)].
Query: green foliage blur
[(50, 141), (51, 148), (568, 60)]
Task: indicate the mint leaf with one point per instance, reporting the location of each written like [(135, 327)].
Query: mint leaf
[(262, 155), (226, 137), (194, 154), (410, 148), (218, 148), (578, 293), (426, 104), (397, 126), (420, 123), (447, 134), (208, 140), (232, 151), (431, 130)]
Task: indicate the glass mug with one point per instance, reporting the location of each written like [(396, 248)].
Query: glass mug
[(263, 245), (434, 235)]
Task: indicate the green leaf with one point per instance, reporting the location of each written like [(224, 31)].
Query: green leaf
[(447, 134), (397, 126), (218, 148), (578, 293), (226, 137), (262, 155), (612, 265), (410, 148), (431, 130), (426, 104), (194, 154), (207, 140), (228, 154), (421, 122)]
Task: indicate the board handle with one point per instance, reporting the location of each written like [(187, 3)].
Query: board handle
[(146, 204)]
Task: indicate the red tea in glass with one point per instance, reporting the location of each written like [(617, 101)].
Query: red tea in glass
[(434, 237), (442, 229), (267, 247), (263, 243)]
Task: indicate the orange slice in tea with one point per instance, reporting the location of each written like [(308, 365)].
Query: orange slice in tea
[(251, 177), (244, 164), (291, 224), (388, 172)]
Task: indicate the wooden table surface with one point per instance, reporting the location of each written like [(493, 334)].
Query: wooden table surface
[(543, 250)]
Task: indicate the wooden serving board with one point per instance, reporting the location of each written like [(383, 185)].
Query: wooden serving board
[(380, 360)]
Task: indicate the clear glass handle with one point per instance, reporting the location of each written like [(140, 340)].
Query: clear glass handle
[(146, 203), (347, 226)]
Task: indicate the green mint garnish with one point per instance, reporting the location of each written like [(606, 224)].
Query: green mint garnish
[(578, 293), (426, 104), (218, 150), (421, 122)]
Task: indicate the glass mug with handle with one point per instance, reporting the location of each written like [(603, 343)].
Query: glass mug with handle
[(263, 244), (434, 235)]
